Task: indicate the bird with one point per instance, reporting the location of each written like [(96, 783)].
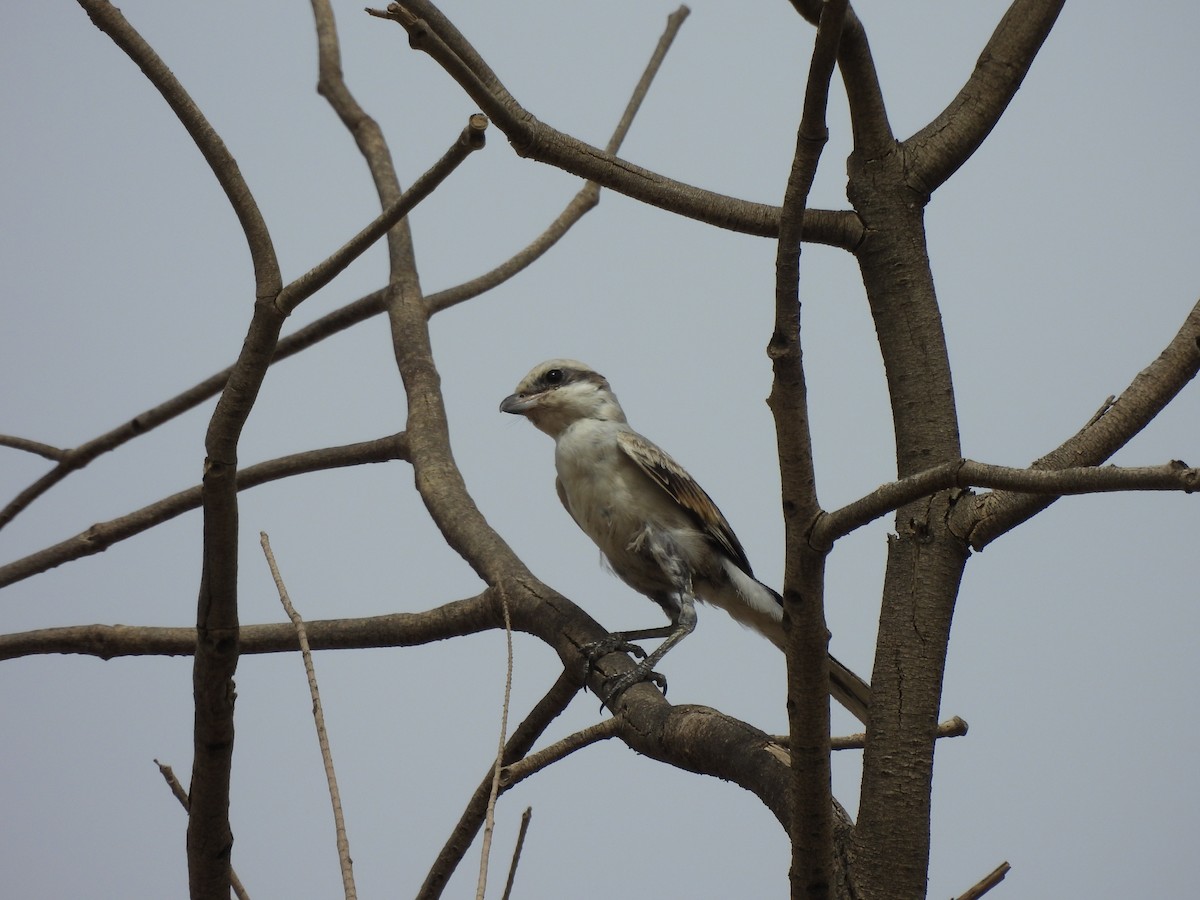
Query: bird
[(656, 528)]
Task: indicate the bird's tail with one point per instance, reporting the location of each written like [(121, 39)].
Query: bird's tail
[(844, 686), (849, 690)]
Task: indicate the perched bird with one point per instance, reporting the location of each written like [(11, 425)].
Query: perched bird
[(657, 528)]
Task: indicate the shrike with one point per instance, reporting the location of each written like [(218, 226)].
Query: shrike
[(657, 528)]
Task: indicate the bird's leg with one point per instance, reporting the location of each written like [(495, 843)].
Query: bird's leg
[(685, 623), (622, 642), (679, 604)]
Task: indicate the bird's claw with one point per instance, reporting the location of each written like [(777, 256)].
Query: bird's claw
[(614, 643), (617, 685)]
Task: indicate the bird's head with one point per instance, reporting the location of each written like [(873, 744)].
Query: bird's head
[(560, 392)]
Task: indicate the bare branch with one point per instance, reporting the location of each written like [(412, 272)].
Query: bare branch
[(987, 518), (941, 147), (108, 19), (168, 775), (951, 728), (454, 619), (583, 202), (516, 857), (471, 139), (489, 818), (209, 835), (517, 772), (1172, 476), (868, 114), (103, 535), (430, 32), (546, 711), (988, 882), (338, 320), (363, 128), (35, 447), (811, 827), (367, 133), (335, 797)]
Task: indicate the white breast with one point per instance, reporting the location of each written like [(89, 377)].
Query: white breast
[(615, 502)]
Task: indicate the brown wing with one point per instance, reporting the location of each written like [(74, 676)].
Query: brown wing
[(674, 479)]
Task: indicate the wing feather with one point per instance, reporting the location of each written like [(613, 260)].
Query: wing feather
[(675, 480)]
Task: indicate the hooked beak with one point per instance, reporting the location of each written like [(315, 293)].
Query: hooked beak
[(518, 405)]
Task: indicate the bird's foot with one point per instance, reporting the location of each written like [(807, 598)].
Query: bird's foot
[(614, 643), (617, 685)]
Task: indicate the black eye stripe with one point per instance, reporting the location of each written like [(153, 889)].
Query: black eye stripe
[(555, 376)]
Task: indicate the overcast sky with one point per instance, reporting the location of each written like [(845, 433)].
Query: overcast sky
[(1065, 259)]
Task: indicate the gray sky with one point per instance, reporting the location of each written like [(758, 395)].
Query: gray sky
[(1065, 259)]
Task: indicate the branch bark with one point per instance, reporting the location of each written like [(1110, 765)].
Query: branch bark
[(430, 32), (811, 825), (1172, 476), (988, 517), (101, 536), (941, 147)]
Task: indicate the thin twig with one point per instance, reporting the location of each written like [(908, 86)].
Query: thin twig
[(516, 857), (168, 774), (547, 709), (471, 139), (951, 728), (985, 884), (335, 796), (103, 535), (78, 458), (780, 743), (431, 32), (964, 473), (1146, 396), (35, 447), (489, 821), (457, 618), (535, 762), (581, 203)]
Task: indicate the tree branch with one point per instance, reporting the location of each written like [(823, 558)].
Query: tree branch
[(471, 139), (209, 837), (941, 147), (430, 32), (583, 202), (455, 619), (872, 132), (103, 535), (366, 132), (168, 774), (108, 19), (986, 883), (951, 728), (988, 517), (335, 796), (811, 826), (514, 773), (516, 857), (35, 447), (1172, 476), (523, 737)]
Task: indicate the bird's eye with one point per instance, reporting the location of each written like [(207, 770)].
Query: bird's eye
[(554, 376)]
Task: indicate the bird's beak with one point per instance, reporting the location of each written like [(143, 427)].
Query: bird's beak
[(518, 405)]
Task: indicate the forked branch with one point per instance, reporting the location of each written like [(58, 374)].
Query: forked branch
[(431, 32)]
